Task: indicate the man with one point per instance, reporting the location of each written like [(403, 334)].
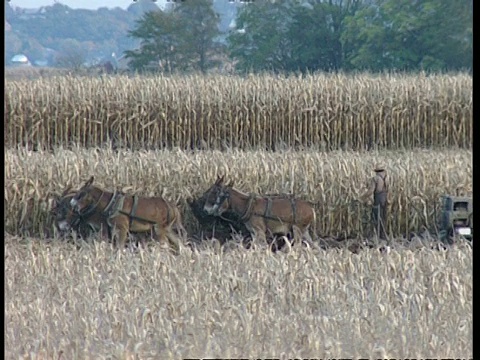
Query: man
[(378, 187)]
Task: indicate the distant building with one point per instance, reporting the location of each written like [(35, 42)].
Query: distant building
[(20, 60)]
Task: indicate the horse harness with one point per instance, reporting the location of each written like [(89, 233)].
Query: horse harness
[(75, 218), (115, 208), (267, 214)]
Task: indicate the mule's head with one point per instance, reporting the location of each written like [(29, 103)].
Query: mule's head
[(64, 216), (216, 198), (83, 198), (57, 199), (67, 218)]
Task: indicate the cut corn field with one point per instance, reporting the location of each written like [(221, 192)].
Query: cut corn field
[(95, 303)]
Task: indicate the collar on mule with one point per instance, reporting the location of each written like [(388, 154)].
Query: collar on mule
[(248, 211), (90, 209), (115, 203)]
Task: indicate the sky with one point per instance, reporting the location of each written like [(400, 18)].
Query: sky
[(76, 4)]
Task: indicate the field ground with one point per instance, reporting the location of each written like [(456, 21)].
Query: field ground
[(63, 301)]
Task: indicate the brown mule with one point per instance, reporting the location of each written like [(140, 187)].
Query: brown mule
[(275, 214), (66, 219), (125, 213)]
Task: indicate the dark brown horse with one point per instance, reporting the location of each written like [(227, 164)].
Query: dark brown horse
[(125, 213), (262, 216)]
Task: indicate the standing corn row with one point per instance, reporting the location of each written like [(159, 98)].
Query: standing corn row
[(322, 111)]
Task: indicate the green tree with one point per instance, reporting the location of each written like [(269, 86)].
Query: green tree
[(409, 35), (316, 34), (260, 40), (181, 39), (158, 34), (290, 35), (199, 29)]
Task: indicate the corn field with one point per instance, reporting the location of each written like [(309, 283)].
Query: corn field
[(321, 111), (331, 180), (171, 137)]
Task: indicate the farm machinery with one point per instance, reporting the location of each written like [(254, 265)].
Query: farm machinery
[(456, 218)]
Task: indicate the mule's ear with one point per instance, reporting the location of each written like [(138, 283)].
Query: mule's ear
[(219, 180), (67, 190), (89, 182), (53, 200), (54, 196)]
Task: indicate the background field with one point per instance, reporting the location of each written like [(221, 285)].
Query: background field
[(321, 111), (172, 136)]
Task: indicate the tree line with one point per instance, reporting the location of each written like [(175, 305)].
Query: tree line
[(308, 35)]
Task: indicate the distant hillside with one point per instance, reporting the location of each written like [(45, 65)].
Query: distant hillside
[(43, 33)]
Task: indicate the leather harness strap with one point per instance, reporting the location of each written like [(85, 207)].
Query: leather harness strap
[(114, 207), (110, 208), (134, 209), (267, 214), (294, 210), (268, 208), (248, 211), (168, 214), (90, 209), (131, 215)]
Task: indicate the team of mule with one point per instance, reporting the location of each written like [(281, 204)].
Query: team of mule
[(116, 214)]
